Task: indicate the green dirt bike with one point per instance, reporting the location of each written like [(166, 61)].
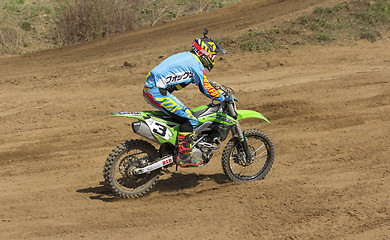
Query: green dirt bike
[(133, 167)]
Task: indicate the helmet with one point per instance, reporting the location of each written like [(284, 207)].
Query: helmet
[(206, 49)]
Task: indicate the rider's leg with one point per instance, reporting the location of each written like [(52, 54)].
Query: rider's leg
[(184, 140), (165, 101)]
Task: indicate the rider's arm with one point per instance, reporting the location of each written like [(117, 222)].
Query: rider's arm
[(208, 90)]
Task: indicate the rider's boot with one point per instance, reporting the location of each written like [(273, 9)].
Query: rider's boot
[(184, 158)]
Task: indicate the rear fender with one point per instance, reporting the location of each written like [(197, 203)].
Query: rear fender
[(242, 114), (136, 115)]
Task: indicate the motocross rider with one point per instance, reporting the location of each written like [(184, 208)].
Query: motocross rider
[(175, 73)]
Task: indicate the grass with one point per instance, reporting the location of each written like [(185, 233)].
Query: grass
[(27, 26), (31, 25), (31, 22), (344, 21)]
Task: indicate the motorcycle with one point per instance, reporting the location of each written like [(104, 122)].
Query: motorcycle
[(134, 166)]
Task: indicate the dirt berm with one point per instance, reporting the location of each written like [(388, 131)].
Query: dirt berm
[(329, 108)]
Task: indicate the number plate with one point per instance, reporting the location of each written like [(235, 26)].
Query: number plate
[(159, 129)]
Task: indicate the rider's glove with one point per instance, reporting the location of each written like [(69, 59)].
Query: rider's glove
[(228, 98)]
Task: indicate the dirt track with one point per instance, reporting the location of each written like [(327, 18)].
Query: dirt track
[(329, 108)]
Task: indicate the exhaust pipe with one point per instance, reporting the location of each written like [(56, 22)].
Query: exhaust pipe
[(141, 128)]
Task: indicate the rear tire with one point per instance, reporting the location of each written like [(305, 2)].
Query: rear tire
[(262, 150), (119, 164)]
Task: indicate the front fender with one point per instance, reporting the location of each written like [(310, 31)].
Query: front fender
[(242, 114)]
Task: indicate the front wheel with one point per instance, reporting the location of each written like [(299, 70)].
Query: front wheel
[(120, 164), (238, 167)]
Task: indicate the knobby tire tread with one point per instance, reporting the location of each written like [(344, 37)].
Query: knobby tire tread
[(114, 156), (230, 146)]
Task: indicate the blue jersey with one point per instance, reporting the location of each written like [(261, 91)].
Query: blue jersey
[(180, 70)]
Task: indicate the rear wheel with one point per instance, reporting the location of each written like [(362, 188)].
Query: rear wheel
[(120, 164), (238, 168)]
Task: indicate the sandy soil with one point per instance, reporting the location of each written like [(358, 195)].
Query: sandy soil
[(329, 108)]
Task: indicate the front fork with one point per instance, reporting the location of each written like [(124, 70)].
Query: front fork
[(237, 130), (244, 144)]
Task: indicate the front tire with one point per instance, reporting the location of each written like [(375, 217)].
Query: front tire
[(119, 166), (262, 152)]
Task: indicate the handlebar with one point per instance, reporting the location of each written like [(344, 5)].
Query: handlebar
[(227, 92), (224, 90)]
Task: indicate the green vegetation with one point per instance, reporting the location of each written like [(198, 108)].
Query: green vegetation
[(26, 25), (30, 25), (345, 21), (150, 12)]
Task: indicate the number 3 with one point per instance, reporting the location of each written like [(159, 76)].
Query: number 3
[(161, 130)]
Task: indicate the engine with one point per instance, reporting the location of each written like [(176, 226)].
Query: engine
[(202, 148)]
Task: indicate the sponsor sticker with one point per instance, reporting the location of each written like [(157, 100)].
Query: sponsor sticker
[(161, 83), (126, 113), (210, 89)]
